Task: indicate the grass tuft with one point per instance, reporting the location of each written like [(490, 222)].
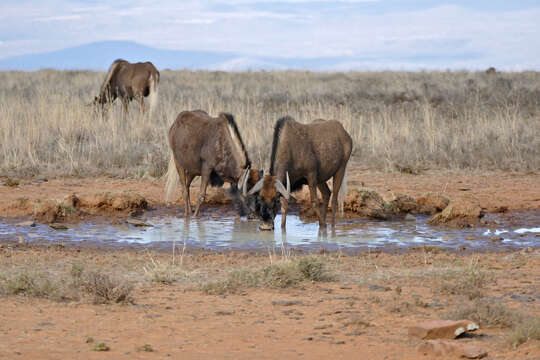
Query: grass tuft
[(146, 348), (525, 331), (104, 289), (100, 347), (468, 282), (279, 275), (486, 313), (162, 273), (72, 285)]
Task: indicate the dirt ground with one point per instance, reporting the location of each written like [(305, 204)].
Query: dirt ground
[(495, 191), (364, 312)]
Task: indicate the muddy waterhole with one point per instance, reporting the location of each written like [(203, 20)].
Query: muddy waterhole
[(216, 230)]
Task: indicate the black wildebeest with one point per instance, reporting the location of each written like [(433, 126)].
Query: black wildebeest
[(303, 154), (211, 148), (129, 81)]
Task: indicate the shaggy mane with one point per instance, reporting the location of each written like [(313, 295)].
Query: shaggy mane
[(232, 123), (275, 141)]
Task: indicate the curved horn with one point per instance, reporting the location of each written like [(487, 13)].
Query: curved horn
[(258, 186), (285, 192), (242, 183)]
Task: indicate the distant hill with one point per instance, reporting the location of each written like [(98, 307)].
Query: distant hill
[(100, 55)]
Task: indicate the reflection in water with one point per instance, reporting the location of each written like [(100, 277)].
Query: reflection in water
[(214, 230)]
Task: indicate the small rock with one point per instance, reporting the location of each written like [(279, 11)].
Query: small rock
[(26, 223), (287, 302), (410, 217), (451, 349), (225, 312), (322, 327), (379, 288), (496, 238), (21, 240), (441, 329), (137, 223), (45, 323), (462, 212), (58, 226)]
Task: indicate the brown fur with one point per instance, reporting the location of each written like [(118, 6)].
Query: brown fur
[(203, 146), (128, 81), (310, 154), (253, 178), (268, 191)]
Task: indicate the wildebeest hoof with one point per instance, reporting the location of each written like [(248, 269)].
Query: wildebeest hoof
[(266, 226)]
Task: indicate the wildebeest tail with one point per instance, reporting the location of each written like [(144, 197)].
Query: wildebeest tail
[(172, 179), (112, 70), (153, 93), (342, 193)]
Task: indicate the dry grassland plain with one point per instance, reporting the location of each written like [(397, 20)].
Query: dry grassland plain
[(460, 131), (398, 120)]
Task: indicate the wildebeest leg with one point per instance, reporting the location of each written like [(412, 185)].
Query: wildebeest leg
[(325, 191), (205, 177), (186, 181), (125, 102), (336, 186), (143, 106), (284, 208), (315, 202)]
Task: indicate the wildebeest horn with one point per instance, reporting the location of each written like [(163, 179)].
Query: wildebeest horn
[(242, 183), (258, 186), (285, 192)]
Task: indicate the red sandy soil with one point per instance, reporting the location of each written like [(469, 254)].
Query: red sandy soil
[(496, 191), (180, 321)]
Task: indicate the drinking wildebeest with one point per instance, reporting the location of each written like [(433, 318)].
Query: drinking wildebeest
[(129, 81), (303, 154), (211, 148)]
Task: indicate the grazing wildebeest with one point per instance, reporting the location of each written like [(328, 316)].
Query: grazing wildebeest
[(129, 81), (211, 148), (303, 154)]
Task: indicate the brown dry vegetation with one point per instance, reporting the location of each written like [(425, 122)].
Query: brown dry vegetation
[(398, 120)]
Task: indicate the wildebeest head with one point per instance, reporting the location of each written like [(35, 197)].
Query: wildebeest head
[(266, 194), (246, 204)]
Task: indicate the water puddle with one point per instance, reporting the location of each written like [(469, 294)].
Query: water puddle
[(218, 231)]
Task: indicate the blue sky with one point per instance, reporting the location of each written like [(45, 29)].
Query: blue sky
[(376, 34)]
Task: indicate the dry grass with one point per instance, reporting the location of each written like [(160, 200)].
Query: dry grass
[(469, 281), (282, 274), (73, 285), (487, 313), (398, 120), (524, 332)]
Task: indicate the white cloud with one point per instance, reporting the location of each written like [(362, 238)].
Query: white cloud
[(58, 18), (449, 35)]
